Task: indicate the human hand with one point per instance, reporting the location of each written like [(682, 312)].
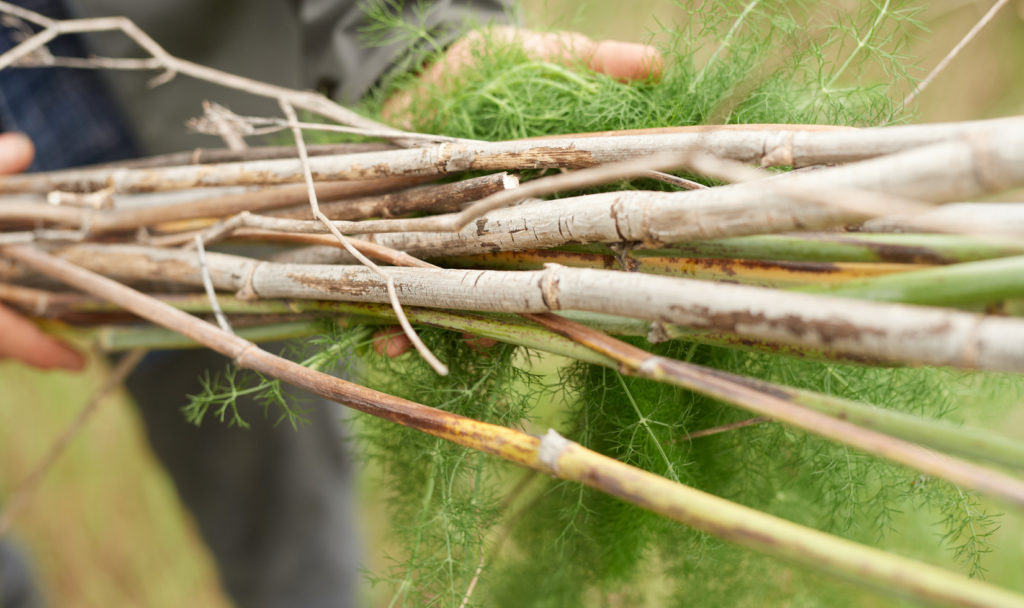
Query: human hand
[(20, 339), (621, 60), (392, 341)]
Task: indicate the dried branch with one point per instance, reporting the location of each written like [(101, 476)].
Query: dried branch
[(1001, 218), (750, 272), (565, 459), (890, 332), (779, 403), (783, 147), (172, 65), (437, 198), (206, 156), (113, 220)]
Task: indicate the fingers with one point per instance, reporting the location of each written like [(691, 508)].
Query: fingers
[(20, 339), (391, 341), (626, 60), (621, 60), (16, 152)]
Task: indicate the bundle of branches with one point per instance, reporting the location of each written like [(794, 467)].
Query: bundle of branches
[(763, 316)]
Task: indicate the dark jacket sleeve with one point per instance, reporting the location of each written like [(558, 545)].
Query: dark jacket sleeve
[(339, 61)]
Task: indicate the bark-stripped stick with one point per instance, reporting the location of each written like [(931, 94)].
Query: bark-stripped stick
[(972, 216), (796, 147), (948, 171), (554, 455), (890, 332)]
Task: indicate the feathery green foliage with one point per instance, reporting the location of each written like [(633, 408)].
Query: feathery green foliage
[(783, 62), (444, 498), (461, 520), (331, 349)]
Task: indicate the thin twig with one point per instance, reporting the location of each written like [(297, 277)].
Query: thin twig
[(222, 320), (674, 180), (215, 115), (23, 493), (723, 428), (564, 459), (417, 343), (172, 65), (955, 51), (764, 399), (782, 146), (472, 583)]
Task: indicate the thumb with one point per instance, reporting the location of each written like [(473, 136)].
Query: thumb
[(16, 152)]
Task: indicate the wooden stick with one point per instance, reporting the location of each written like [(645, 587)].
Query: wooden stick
[(102, 221), (557, 456), (749, 272), (923, 84), (438, 198), (891, 332), (779, 403), (206, 156), (783, 147), (306, 100)]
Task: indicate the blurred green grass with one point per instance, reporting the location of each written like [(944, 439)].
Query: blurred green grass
[(106, 528)]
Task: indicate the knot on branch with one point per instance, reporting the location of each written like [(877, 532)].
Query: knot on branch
[(549, 286)]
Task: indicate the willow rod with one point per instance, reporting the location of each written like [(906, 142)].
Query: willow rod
[(556, 456), (782, 147), (936, 434), (891, 332)]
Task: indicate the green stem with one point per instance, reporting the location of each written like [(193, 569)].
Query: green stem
[(937, 434), (119, 338), (726, 43), (846, 247), (955, 285), (861, 43)]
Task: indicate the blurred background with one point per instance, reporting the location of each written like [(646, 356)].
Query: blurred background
[(106, 529)]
